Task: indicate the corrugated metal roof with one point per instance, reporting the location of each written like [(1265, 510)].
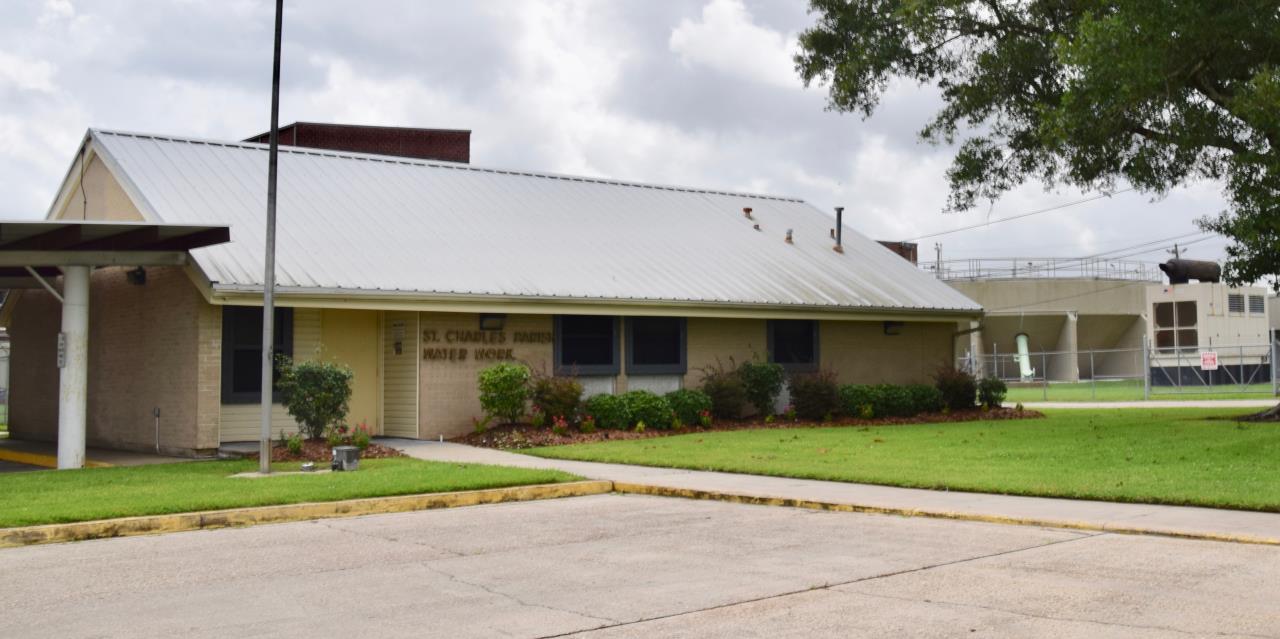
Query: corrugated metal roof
[(365, 223)]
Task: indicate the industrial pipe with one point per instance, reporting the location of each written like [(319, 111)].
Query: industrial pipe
[(1025, 372)]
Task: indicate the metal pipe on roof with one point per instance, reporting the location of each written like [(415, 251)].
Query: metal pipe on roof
[(839, 229)]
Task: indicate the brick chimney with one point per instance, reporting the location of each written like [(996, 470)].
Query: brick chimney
[(449, 145)]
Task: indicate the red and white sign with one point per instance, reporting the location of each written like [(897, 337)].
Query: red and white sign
[(1208, 360)]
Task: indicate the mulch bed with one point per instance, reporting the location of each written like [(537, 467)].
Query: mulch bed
[(516, 436), (318, 450)]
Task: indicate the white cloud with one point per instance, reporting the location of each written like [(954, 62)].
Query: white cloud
[(25, 74), (689, 92), (728, 40)]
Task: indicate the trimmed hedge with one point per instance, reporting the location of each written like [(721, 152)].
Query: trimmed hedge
[(609, 411), (688, 404), (814, 395), (648, 407), (925, 398), (888, 400)]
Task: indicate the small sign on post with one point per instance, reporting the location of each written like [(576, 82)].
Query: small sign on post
[(1208, 360), (62, 350)]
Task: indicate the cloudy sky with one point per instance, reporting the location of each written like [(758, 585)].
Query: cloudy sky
[(689, 92)]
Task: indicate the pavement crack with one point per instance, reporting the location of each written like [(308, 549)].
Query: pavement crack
[(826, 586), (393, 540), (510, 597), (1030, 615)]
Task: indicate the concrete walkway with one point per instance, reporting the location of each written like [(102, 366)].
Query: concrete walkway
[(1169, 520), (1161, 403), (45, 455)]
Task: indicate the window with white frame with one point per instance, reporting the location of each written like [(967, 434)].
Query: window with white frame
[(1175, 326)]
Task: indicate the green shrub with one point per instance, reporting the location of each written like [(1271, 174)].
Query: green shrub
[(556, 395), (815, 396), (609, 411), (857, 400), (688, 404), (504, 389), (723, 386), (294, 444), (648, 408), (925, 398), (991, 392), (315, 393), (894, 401), (958, 388), (762, 382)]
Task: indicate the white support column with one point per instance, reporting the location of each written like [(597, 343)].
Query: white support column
[(73, 386)]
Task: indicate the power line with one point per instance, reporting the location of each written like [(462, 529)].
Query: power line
[(1105, 194)]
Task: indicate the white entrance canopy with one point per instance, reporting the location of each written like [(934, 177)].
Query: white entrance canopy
[(30, 252)]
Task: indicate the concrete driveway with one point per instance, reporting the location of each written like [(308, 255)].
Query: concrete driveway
[(635, 566)]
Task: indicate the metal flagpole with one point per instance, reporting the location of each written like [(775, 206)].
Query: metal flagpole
[(269, 277)]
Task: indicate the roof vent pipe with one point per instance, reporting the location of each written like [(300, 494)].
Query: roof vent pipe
[(746, 211), (839, 229), (789, 236)]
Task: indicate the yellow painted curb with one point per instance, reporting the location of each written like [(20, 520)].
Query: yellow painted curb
[(151, 524), (693, 493), (37, 459)]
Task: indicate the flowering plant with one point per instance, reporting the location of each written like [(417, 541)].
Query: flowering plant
[(790, 412), (587, 424), (559, 425), (537, 417), (704, 418)]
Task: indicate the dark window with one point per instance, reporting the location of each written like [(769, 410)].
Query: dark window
[(656, 346), (794, 344), (1175, 326), (586, 345), (242, 351)]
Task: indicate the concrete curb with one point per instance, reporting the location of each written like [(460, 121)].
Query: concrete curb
[(152, 524), (712, 495), (45, 461)]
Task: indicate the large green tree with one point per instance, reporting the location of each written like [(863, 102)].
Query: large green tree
[(1155, 93)]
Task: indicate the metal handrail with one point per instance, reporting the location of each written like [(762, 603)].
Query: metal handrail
[(996, 268)]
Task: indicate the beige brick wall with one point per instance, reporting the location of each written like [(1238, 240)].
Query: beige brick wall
[(449, 397), (731, 341), (860, 352), (151, 346)]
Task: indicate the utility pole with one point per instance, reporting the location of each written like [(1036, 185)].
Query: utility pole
[(269, 276)]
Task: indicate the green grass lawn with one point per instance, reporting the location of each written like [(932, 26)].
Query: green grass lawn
[(44, 497), (1172, 456), (1128, 391)]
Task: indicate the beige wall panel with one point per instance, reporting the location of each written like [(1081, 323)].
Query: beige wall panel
[(449, 397), (148, 349), (400, 374), (860, 352), (1109, 297), (727, 340), (351, 338), (104, 198), (241, 422)]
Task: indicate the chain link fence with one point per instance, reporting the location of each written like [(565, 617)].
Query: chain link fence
[(1132, 374)]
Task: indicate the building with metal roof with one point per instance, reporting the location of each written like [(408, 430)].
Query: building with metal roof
[(417, 273)]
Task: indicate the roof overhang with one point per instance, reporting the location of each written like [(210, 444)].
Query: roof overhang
[(471, 303), (31, 249)]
